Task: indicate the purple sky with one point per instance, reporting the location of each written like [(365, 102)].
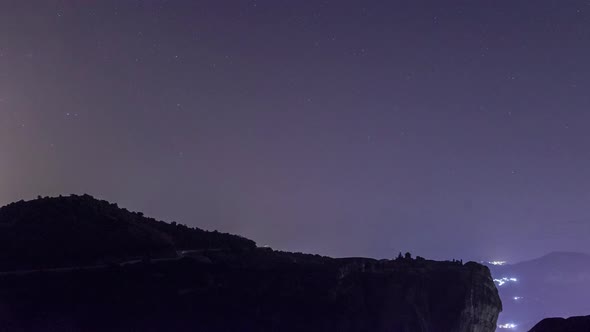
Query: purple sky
[(451, 129)]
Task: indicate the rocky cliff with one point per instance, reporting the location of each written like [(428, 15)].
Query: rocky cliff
[(241, 288)]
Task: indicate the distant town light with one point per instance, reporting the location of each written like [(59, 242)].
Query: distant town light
[(510, 326), (498, 263), (517, 298), (504, 280)]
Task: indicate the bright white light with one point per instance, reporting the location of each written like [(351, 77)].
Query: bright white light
[(517, 298), (504, 280), (498, 263), (510, 326)]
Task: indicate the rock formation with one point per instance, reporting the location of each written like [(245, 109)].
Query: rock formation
[(219, 283)]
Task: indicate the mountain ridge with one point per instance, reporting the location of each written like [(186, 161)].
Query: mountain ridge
[(82, 230)]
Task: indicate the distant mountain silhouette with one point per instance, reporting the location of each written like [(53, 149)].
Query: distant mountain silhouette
[(81, 230), (554, 285), (558, 260)]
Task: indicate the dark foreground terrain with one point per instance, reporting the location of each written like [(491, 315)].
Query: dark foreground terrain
[(163, 277)]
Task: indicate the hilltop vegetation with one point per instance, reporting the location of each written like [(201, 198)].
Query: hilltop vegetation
[(81, 230)]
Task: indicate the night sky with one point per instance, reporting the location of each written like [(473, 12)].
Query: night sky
[(450, 129)]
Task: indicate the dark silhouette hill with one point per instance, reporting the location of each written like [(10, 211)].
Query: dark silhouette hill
[(220, 283), (554, 285), (81, 230), (572, 324)]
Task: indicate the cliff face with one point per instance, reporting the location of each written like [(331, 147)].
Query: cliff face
[(572, 324), (223, 287), (422, 295), (258, 291), (483, 304)]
